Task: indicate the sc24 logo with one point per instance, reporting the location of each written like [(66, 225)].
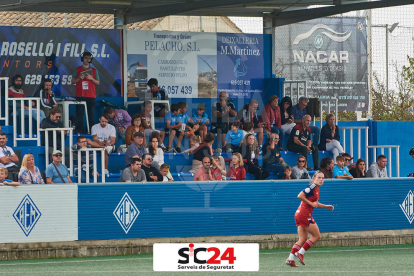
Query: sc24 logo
[(228, 255)]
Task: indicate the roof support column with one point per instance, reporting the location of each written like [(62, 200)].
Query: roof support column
[(268, 28), (119, 19)]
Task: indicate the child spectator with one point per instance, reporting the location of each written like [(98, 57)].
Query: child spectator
[(237, 170), (340, 171), (248, 128), (190, 126), (233, 138), (165, 172), (195, 141), (200, 118), (216, 170), (146, 122), (174, 126), (4, 181), (287, 173)]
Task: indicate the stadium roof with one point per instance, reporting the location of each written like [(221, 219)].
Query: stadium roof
[(283, 11)]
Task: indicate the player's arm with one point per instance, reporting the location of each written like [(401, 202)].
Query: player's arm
[(302, 197), (320, 205)]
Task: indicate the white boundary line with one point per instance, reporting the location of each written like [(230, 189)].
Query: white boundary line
[(345, 250), (80, 261)]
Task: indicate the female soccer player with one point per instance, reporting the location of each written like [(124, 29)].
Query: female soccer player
[(304, 220)]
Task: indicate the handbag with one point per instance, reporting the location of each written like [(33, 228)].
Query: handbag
[(63, 181)]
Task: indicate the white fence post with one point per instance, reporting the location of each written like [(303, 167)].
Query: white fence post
[(351, 142), (291, 84), (94, 166), (6, 102), (31, 136), (389, 160)]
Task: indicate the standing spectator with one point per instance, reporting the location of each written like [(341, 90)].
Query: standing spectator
[(347, 159), (250, 151), (8, 158), (165, 172), (237, 170), (29, 173), (132, 129), (136, 149), (359, 170), (287, 173), (158, 93), (204, 173), (299, 111), (248, 114), (83, 143), (378, 170), (174, 126), (205, 150), (47, 97), (183, 117), (327, 165), (300, 142), (195, 141), (217, 172), (286, 117), (151, 173), (133, 173), (4, 181), (146, 122), (85, 90), (339, 171), (299, 171), (272, 160), (221, 112), (272, 119), (120, 119), (233, 138), (330, 137), (56, 172), (200, 118), (156, 152), (103, 136)]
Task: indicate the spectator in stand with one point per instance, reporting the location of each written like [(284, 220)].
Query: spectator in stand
[(327, 165), (132, 129), (133, 173), (83, 143), (250, 151), (3, 179), (359, 170), (120, 119), (103, 136), (158, 93), (47, 97), (299, 171), (272, 160), (136, 149), (174, 125), (165, 172), (218, 172), (205, 150), (330, 137), (29, 173), (151, 173), (248, 114), (221, 112), (299, 111), (16, 91), (271, 117), (347, 159), (286, 118), (300, 142), (204, 173), (56, 172), (340, 171), (237, 170), (248, 128), (200, 118), (8, 158), (287, 173), (195, 141), (233, 138), (378, 170), (156, 152), (146, 122), (186, 120)]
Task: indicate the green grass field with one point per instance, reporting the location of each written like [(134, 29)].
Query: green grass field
[(367, 260)]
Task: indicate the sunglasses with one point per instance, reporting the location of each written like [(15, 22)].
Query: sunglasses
[(58, 117), (58, 155), (149, 159), (82, 141), (347, 159), (301, 161)]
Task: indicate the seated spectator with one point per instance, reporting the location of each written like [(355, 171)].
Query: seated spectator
[(205, 150), (272, 160), (248, 128), (222, 112), (189, 124), (299, 171), (53, 121), (158, 93), (103, 136), (250, 151), (218, 172), (3, 179), (56, 172), (299, 111), (83, 143), (327, 165), (233, 138), (248, 114), (330, 137), (359, 170), (151, 173), (29, 173), (271, 118), (348, 158), (135, 127), (286, 118), (340, 171), (133, 173), (200, 118), (120, 119), (237, 170), (287, 173), (146, 122), (136, 149), (378, 170), (8, 158), (195, 141), (165, 172), (300, 142), (47, 97), (156, 152), (174, 126), (204, 173)]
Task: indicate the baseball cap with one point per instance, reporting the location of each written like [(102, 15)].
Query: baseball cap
[(138, 134), (56, 152)]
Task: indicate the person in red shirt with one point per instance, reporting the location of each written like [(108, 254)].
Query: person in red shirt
[(85, 91), (304, 220), (217, 171), (237, 171)]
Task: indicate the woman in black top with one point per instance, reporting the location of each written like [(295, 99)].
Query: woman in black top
[(250, 151), (204, 150), (286, 118), (359, 170), (330, 137)]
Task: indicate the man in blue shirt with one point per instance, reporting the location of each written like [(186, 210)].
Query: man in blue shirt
[(56, 172), (233, 138), (340, 171), (298, 111), (174, 127)]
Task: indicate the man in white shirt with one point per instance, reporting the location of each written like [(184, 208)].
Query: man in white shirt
[(7, 156), (378, 170), (103, 136)]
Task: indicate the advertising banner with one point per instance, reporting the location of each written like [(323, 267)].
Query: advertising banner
[(55, 53), (331, 55)]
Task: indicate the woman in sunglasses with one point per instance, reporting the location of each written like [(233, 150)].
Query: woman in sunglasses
[(29, 173), (299, 171)]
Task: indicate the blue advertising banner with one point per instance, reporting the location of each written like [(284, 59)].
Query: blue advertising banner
[(55, 53)]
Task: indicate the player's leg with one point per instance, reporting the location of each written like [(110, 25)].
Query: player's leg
[(313, 229), (303, 235), (171, 138)]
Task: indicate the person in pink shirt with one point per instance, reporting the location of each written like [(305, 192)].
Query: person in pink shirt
[(204, 172)]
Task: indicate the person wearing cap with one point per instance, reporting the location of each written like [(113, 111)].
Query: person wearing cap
[(103, 136), (135, 149), (57, 172), (347, 159)]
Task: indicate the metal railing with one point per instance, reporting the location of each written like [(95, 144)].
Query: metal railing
[(6, 103), (53, 143), (351, 140), (32, 137), (289, 86), (94, 166), (389, 159), (321, 102)]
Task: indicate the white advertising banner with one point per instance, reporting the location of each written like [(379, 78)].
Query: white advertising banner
[(38, 213)]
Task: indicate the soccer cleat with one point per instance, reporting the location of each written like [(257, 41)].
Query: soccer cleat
[(300, 257), (291, 263)]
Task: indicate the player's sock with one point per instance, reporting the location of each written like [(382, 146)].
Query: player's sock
[(295, 249), (308, 244)]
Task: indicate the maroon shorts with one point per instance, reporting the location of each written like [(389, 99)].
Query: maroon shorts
[(303, 221)]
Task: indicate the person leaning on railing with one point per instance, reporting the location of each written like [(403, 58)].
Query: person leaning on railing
[(8, 158), (29, 173)]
